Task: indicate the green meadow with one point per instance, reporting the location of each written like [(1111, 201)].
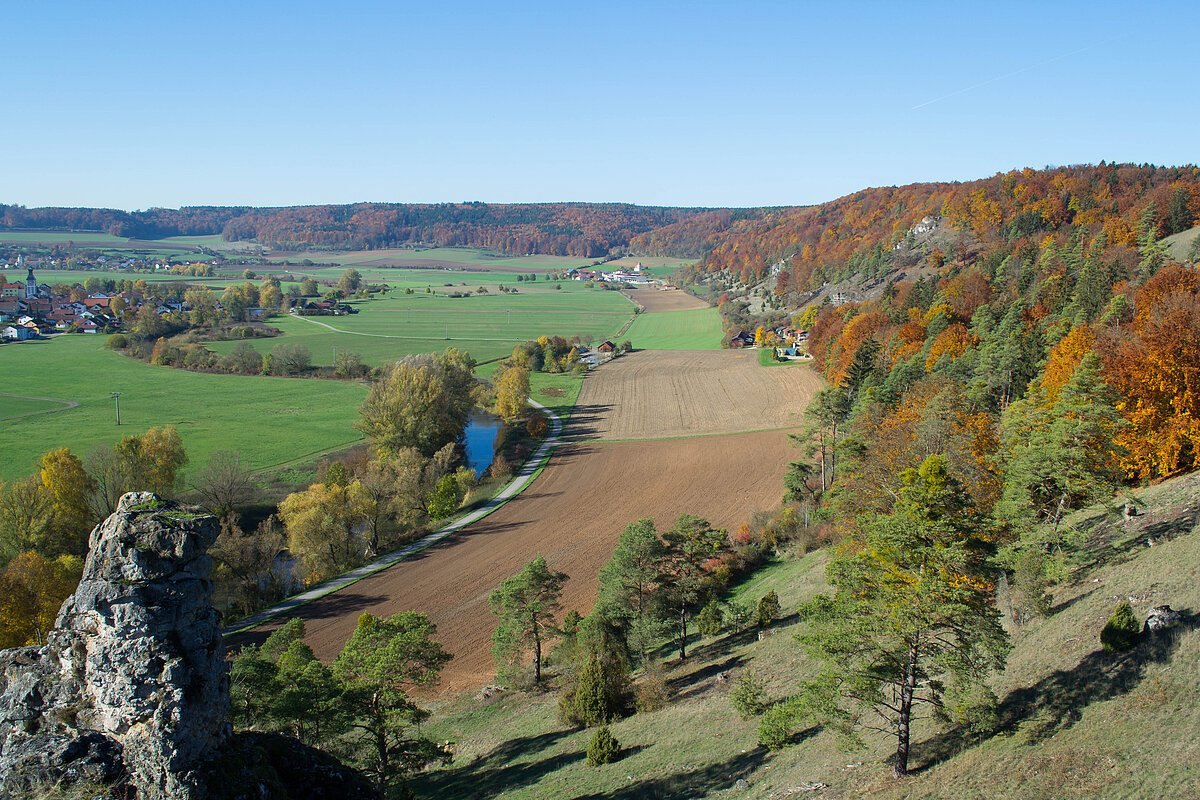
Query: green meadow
[(271, 421), (695, 329), (463, 257), (14, 406), (487, 325)]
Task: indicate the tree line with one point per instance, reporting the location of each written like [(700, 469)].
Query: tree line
[(586, 230)]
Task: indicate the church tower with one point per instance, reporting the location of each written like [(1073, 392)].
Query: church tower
[(31, 290)]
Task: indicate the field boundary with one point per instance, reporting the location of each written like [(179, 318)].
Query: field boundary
[(64, 405), (521, 481)]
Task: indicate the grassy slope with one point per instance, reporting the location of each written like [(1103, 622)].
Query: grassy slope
[(1181, 243), (270, 420), (697, 329), (1078, 723)]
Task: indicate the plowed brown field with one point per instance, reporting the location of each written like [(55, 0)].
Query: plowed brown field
[(664, 299), (592, 489), (573, 515), (658, 394)]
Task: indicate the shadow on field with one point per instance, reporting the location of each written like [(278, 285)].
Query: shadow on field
[(582, 424), (1057, 701), (702, 680), (494, 773), (697, 782)]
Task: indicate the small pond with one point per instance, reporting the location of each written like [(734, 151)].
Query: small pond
[(479, 441)]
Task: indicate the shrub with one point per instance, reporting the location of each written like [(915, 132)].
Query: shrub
[(651, 691), (1121, 631), (711, 620), (749, 696), (768, 609), (536, 426), (777, 725), (603, 749), (117, 342), (591, 702), (501, 468)]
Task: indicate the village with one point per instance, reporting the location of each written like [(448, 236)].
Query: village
[(29, 310)]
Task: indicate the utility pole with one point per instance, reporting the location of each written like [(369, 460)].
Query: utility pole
[(116, 396)]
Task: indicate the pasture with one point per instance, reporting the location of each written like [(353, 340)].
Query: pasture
[(487, 326), (697, 329), (271, 421), (13, 406)]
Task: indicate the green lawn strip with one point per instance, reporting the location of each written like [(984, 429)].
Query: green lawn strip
[(524, 478), (694, 329)]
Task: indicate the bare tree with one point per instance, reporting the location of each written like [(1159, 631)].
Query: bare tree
[(223, 484)]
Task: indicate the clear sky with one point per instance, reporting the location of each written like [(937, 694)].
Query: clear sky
[(131, 105)]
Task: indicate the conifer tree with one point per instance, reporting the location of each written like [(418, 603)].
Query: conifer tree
[(913, 605)]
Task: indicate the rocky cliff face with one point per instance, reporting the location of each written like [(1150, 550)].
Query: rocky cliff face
[(132, 687)]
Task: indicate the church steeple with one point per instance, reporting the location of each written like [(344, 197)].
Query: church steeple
[(31, 290)]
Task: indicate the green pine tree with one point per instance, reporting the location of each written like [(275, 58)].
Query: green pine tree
[(913, 605)]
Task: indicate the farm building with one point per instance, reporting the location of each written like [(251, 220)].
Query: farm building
[(606, 347), (741, 339)]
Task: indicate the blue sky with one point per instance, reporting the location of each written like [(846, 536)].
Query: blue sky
[(131, 105)]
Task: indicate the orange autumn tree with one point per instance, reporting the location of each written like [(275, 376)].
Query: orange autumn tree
[(951, 343), (1064, 358), (1154, 363)]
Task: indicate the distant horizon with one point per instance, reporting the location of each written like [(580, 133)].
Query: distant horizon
[(598, 202)]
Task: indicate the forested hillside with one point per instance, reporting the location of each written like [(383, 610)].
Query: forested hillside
[(867, 232), (570, 229)]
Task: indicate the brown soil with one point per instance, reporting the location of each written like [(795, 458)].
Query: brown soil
[(662, 394), (664, 299), (572, 515)]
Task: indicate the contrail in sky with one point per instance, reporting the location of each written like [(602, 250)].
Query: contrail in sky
[(1008, 75)]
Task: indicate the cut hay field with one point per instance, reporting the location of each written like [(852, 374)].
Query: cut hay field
[(669, 394), (573, 515), (271, 421), (487, 326), (655, 300), (696, 329)]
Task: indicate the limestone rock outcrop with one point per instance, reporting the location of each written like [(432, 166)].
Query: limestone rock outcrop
[(132, 687), (1161, 618)]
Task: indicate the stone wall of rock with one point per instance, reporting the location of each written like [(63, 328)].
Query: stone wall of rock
[(132, 686)]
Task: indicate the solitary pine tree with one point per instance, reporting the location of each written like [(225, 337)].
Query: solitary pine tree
[(527, 604), (691, 548), (913, 606)]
